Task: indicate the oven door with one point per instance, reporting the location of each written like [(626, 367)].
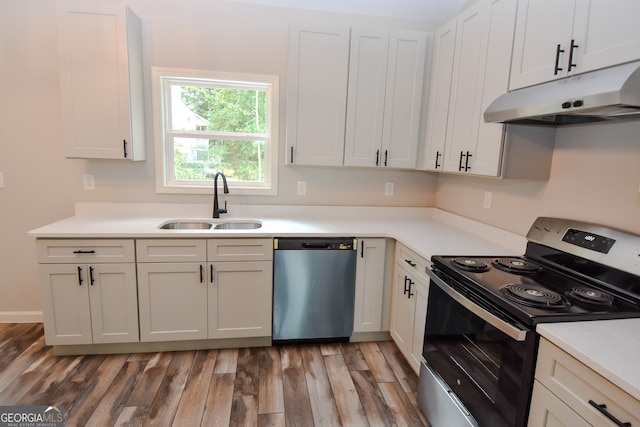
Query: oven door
[(476, 358)]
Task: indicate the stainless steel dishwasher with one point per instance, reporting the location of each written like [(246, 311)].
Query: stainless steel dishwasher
[(313, 289)]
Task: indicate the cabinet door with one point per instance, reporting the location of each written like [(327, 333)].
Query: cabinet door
[(548, 411), (369, 286), (101, 81), (365, 105), (421, 291), (402, 313), (403, 98), (542, 27), (317, 94), (65, 299), (439, 96), (114, 302), (606, 32), (172, 301), (240, 299)]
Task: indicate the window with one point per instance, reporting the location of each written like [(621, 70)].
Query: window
[(209, 122)]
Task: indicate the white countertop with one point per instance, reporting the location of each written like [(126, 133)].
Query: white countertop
[(427, 231), (609, 347)]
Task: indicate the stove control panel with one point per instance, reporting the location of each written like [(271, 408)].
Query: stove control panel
[(588, 240)]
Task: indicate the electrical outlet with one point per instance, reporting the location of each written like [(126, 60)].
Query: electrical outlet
[(388, 188), (488, 195), (89, 182), (302, 188), (1, 180)]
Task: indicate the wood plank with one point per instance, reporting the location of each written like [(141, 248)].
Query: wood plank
[(272, 420), (373, 403), (296, 396), (405, 375), (226, 361), (21, 362), (270, 389), (45, 390), (247, 371), (82, 397), (376, 361), (353, 357), (403, 410), (194, 396), (217, 410), (149, 382), (244, 411), (330, 349), (344, 392), (165, 404), (113, 401), (18, 337), (323, 406), (131, 416), (413, 398), (20, 386)]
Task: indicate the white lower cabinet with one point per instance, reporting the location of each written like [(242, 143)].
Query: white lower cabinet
[(568, 393), (368, 307), (187, 294), (88, 291), (409, 304)]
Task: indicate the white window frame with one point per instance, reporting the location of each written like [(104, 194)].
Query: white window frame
[(164, 150)]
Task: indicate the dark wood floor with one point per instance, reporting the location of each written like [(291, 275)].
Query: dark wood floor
[(352, 384)]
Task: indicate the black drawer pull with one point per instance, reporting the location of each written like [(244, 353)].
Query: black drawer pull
[(556, 68), (85, 252), (603, 410), (79, 276), (408, 261)]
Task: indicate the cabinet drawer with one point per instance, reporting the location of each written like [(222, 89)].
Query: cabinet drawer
[(576, 384), (412, 262), (240, 249), (171, 250), (56, 251)]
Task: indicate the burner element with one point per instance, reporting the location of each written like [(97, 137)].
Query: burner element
[(470, 264), (517, 265), (592, 297), (535, 296)]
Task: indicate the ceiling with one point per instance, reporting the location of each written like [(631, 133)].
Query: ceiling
[(432, 10)]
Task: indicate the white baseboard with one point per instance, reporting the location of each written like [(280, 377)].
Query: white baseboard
[(21, 317)]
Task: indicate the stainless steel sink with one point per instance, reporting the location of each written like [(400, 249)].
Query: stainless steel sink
[(238, 225), (186, 225), (210, 225)]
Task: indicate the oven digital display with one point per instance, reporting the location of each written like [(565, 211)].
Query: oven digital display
[(588, 240)]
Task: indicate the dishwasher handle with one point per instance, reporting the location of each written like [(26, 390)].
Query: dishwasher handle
[(315, 245)]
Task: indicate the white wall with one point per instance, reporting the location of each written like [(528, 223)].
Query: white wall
[(595, 177), (41, 184)]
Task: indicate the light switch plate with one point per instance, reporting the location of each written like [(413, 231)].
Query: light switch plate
[(388, 188), (488, 196), (89, 182), (302, 188)]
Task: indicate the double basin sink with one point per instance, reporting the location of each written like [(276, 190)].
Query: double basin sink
[(210, 224)]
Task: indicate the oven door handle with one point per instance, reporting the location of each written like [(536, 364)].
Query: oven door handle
[(512, 331)]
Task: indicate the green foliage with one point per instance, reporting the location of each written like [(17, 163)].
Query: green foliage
[(227, 110)]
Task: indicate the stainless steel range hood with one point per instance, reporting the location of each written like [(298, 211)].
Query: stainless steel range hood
[(610, 94)]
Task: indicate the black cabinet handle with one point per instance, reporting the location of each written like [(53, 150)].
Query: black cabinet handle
[(466, 162), (573, 46), (201, 274), (362, 249), (211, 271), (124, 146), (460, 162), (79, 276), (438, 154), (603, 410), (85, 252), (411, 282), (91, 281), (377, 157), (408, 261), (291, 155), (386, 156), (406, 284), (556, 67)]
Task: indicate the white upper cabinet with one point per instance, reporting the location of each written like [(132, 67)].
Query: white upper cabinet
[(101, 85), (556, 39), (317, 94), (354, 96), (439, 91), (471, 69)]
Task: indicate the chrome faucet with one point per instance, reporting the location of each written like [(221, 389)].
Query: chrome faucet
[(216, 210)]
